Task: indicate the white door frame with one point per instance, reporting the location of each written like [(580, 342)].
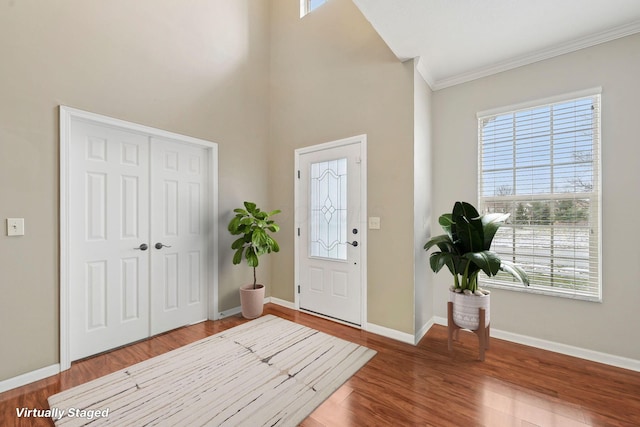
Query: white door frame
[(67, 115), (362, 236)]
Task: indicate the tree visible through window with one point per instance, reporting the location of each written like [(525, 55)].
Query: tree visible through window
[(542, 164)]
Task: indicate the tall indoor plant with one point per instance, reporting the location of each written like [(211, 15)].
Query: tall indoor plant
[(466, 251), (254, 227)]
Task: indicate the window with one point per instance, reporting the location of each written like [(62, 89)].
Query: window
[(307, 6), (328, 224), (541, 163)]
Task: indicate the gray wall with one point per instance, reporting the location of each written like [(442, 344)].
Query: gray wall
[(332, 77), (610, 326), (253, 77), (422, 200), (200, 70)]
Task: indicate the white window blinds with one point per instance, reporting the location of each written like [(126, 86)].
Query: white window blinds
[(542, 164)]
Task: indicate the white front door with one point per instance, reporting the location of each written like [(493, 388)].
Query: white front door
[(109, 272), (138, 236), (331, 230), (179, 267)]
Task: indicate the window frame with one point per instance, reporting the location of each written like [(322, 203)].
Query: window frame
[(594, 225), (305, 7)]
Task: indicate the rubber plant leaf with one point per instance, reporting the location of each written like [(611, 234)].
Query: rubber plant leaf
[(447, 224), (441, 241), (515, 271), (490, 223), (468, 227), (464, 209), (437, 260), (488, 261), (470, 234)]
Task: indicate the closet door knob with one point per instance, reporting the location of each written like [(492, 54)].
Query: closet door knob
[(142, 247), (160, 246)]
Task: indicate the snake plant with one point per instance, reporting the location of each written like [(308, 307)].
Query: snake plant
[(465, 248)]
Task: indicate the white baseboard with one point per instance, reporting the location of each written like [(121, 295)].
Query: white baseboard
[(390, 333), (283, 303), (582, 353), (29, 377), (423, 331), (437, 320), (231, 312), (237, 310), (569, 350)]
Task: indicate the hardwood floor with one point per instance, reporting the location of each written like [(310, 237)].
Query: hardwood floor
[(405, 385)]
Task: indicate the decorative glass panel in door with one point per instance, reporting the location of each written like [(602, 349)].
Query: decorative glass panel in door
[(328, 199)]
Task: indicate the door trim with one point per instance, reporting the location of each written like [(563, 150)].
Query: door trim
[(67, 115), (362, 238)]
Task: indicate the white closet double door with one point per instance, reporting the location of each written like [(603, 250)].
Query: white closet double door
[(138, 249)]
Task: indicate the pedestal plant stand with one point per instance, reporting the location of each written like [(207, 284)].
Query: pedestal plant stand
[(482, 331), (465, 250)]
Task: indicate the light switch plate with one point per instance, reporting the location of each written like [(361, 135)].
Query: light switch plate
[(15, 226), (374, 223)]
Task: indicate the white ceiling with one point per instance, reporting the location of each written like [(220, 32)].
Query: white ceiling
[(461, 40)]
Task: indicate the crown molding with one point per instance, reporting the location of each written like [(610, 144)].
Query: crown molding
[(540, 55), (423, 70)]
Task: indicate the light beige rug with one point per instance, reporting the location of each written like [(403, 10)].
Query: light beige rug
[(267, 372)]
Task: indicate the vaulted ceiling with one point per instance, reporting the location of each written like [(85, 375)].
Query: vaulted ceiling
[(461, 40)]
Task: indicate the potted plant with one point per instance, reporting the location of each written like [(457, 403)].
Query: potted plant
[(254, 227), (465, 250)]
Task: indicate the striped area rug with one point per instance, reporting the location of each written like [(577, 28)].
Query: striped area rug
[(267, 372)]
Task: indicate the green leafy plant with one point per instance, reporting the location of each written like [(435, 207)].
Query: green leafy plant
[(465, 248), (254, 226)]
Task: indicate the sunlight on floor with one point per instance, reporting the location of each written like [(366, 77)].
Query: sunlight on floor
[(506, 404)]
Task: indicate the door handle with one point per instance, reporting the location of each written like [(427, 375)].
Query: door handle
[(142, 247), (160, 246), (354, 243)]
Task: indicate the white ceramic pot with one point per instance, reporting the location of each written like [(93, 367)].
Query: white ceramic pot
[(251, 301), (466, 313)]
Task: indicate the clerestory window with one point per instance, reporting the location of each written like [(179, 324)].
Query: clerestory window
[(307, 6), (541, 163)]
